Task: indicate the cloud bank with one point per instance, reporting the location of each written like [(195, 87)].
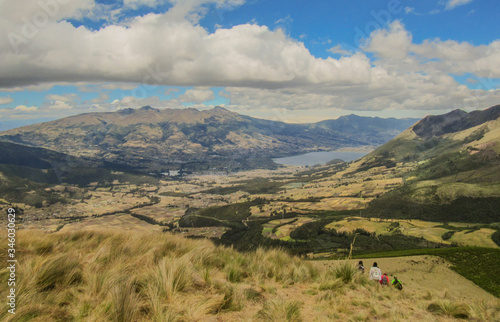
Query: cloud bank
[(260, 68)]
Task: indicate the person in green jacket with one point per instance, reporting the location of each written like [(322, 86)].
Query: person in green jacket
[(397, 283)]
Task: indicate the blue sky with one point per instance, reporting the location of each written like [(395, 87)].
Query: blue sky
[(295, 61), (339, 21)]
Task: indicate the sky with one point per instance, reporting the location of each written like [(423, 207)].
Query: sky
[(293, 61)]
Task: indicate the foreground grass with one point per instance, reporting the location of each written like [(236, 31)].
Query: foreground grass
[(115, 276)]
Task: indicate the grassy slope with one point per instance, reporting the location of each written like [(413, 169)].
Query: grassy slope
[(118, 276), (479, 265)]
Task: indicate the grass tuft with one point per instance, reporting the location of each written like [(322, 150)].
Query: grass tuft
[(281, 310), (235, 274), (233, 299), (331, 285), (252, 294), (346, 272), (171, 277), (125, 302), (458, 311), (59, 271)]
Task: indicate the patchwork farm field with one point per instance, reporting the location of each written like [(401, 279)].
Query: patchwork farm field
[(462, 234), (281, 228), (274, 204), (336, 204), (118, 221)]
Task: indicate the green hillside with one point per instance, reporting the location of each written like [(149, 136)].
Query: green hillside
[(456, 175)]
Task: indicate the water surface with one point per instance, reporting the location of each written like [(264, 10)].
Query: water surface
[(314, 158)]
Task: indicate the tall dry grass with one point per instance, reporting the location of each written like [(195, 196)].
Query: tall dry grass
[(448, 308), (137, 276), (109, 275), (279, 310)]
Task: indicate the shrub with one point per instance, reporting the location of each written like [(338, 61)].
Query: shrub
[(363, 232), (496, 237), (447, 235), (310, 230)]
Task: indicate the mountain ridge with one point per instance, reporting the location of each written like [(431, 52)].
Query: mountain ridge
[(155, 139), (454, 121)]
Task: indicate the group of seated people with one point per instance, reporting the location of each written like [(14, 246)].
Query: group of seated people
[(376, 275)]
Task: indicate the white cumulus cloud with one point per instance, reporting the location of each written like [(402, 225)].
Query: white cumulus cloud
[(25, 108), (452, 4), (62, 98), (6, 100), (197, 95), (390, 43), (156, 49), (60, 105)]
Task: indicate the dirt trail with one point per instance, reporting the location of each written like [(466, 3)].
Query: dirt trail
[(420, 274)]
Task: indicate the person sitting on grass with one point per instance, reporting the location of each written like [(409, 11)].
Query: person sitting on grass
[(397, 283), (375, 273), (361, 268), (384, 280)]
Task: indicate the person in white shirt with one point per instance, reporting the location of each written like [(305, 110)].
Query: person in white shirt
[(375, 273)]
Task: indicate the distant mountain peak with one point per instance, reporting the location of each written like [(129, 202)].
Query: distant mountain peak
[(454, 121), (148, 108), (457, 112), (129, 110), (125, 111), (221, 110)]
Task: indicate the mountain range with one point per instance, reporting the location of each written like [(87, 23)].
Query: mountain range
[(455, 157), (153, 139)]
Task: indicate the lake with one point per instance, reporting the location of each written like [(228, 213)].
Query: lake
[(313, 158)]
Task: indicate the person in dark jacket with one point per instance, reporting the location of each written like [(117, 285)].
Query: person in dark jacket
[(360, 267)]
